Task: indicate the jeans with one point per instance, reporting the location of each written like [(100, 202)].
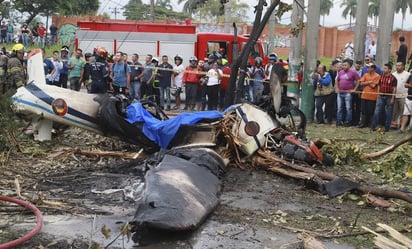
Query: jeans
[(383, 105), (165, 96), (344, 101), (25, 39), (135, 90), (75, 83), (9, 38)]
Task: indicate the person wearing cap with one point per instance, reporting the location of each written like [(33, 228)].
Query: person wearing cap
[(15, 70), (369, 82), (178, 71), (64, 72), (191, 78), (268, 72)]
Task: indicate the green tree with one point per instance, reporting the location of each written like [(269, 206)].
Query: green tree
[(325, 6), (373, 11), (402, 6), (349, 9), (164, 4), (212, 12), (191, 6), (46, 7), (136, 10)]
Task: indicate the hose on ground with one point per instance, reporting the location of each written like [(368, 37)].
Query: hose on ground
[(33, 232)]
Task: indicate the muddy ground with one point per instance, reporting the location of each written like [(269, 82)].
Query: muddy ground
[(79, 195)]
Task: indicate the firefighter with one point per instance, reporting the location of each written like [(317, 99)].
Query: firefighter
[(15, 69), (3, 71), (99, 74)]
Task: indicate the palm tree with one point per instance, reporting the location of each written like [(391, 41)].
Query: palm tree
[(402, 5), (373, 11), (325, 6), (349, 9), (191, 6), (165, 4)]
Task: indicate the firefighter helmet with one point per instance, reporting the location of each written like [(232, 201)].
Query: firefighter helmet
[(18, 48), (65, 49), (178, 57), (192, 58), (100, 51)]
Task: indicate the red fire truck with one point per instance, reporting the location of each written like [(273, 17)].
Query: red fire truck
[(159, 39)]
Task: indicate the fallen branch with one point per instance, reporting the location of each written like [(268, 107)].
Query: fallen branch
[(384, 243), (329, 177), (388, 149), (279, 170)]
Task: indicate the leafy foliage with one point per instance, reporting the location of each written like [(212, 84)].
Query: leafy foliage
[(136, 10), (344, 152), (62, 7), (394, 164), (7, 123)]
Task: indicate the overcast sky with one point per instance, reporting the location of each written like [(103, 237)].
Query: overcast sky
[(334, 19)]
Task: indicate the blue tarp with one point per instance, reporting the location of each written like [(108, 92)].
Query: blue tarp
[(162, 132)]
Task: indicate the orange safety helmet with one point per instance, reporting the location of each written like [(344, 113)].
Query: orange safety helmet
[(100, 51)]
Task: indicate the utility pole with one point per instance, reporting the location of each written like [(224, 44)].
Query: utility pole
[(311, 54), (152, 14), (228, 14), (271, 34), (115, 12), (295, 54), (360, 29), (386, 16)]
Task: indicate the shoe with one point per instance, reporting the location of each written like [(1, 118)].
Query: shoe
[(168, 108), (185, 109), (394, 124), (361, 126), (400, 131), (346, 124), (387, 129), (175, 107)]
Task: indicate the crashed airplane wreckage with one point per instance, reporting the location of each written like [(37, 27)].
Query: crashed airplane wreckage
[(182, 180)]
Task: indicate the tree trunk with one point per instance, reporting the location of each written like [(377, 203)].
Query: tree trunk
[(235, 88)]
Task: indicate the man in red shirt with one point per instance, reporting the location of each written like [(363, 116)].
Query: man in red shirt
[(386, 98), (224, 84), (191, 79), (41, 30)]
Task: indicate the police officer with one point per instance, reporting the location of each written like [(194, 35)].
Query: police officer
[(15, 69)]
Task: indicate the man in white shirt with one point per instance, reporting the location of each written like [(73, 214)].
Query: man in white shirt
[(401, 92), (349, 50), (372, 50)]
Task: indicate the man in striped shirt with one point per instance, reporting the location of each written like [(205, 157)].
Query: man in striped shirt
[(386, 98)]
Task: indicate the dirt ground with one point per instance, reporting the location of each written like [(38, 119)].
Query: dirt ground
[(82, 197)]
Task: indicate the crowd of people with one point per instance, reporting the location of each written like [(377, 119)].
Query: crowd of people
[(36, 35), (363, 94), (350, 93)]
